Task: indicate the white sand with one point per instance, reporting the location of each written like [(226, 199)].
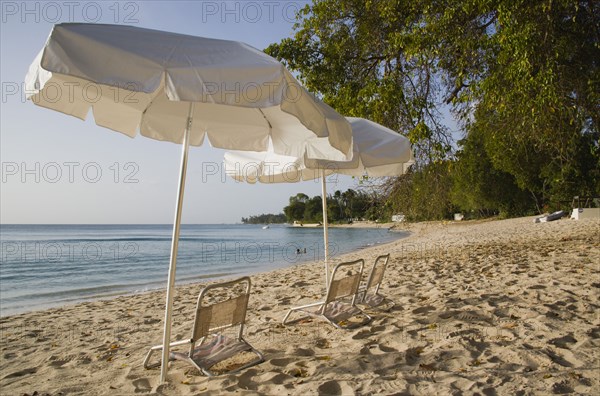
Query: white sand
[(493, 307)]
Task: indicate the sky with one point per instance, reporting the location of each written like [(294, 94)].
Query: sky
[(57, 169)]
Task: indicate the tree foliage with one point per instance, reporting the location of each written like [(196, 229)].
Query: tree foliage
[(265, 219), (422, 195), (521, 77), (341, 207), (358, 56), (479, 187)]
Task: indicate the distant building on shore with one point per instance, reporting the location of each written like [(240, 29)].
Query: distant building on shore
[(398, 218)]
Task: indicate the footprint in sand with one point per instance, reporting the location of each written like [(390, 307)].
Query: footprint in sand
[(20, 373), (445, 316), (58, 363), (387, 349), (361, 335), (366, 350), (425, 309), (563, 342), (299, 352), (323, 343), (561, 388), (594, 333), (537, 287), (281, 362), (245, 380), (274, 378), (377, 329), (412, 355), (335, 388), (566, 359), (301, 284), (300, 370), (141, 385)]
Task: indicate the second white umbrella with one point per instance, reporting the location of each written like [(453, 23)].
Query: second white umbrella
[(377, 151)]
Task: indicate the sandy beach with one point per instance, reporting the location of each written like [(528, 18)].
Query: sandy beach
[(504, 307)]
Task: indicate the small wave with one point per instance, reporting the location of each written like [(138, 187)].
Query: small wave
[(111, 289)]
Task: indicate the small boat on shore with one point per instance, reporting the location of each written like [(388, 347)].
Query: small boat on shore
[(307, 225), (551, 217)]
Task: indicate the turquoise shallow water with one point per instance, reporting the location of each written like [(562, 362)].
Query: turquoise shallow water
[(50, 265)]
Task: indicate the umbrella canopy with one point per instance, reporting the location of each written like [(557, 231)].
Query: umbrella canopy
[(378, 151), (143, 80), (183, 89)]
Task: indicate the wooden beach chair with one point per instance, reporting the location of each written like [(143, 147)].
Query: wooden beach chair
[(336, 309), (220, 307), (369, 292)]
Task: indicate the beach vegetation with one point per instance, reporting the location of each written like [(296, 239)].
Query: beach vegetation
[(342, 207), (499, 98), (269, 218)]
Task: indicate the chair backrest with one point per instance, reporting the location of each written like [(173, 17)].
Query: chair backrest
[(345, 284), (376, 276), (220, 315)]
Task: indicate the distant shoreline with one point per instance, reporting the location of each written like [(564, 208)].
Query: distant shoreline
[(366, 224)]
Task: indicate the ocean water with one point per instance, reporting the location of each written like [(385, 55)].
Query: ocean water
[(45, 266)]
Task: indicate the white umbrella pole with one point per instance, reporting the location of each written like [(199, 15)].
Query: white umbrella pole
[(174, 246), (325, 226)]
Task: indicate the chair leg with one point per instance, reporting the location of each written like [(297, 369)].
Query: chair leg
[(158, 348), (300, 308), (287, 316), (147, 358)]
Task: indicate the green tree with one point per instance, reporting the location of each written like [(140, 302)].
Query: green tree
[(313, 211), (539, 103), (341, 206), (478, 187), (334, 213), (359, 56), (423, 195), (295, 210), (521, 76), (265, 219)]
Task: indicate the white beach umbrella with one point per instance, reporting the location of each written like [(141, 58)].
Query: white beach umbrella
[(181, 89), (378, 151)]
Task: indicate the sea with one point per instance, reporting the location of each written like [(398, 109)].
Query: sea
[(43, 266)]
